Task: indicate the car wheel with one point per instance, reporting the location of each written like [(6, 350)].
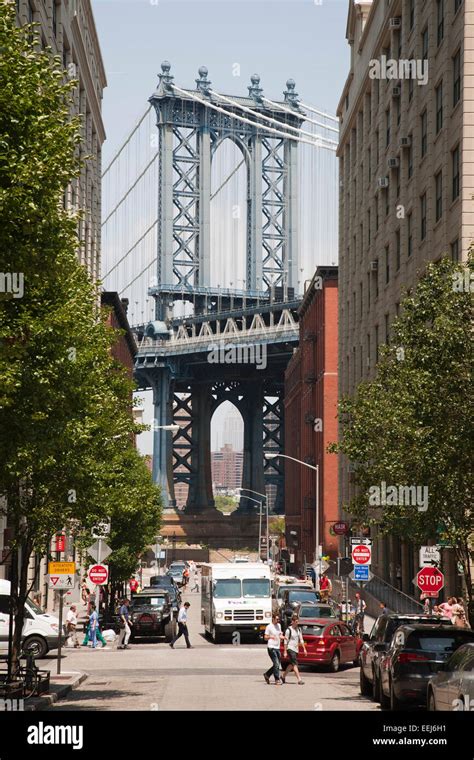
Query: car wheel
[(36, 646), (216, 636), (431, 702), (365, 685), (376, 687), (335, 662), (395, 703)]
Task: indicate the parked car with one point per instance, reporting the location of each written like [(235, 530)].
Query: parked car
[(377, 643), (40, 631), (416, 653), (289, 599), (452, 688), (176, 573), (329, 644), (163, 581), (151, 614)]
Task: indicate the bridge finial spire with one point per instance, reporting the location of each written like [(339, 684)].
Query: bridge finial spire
[(291, 97), (203, 83), (255, 91), (166, 79)]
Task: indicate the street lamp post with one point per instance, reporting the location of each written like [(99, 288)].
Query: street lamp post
[(316, 468), (260, 504), (264, 496)]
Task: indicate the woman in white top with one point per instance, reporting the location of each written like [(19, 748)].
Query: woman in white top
[(293, 640)]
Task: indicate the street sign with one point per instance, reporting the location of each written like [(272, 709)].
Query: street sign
[(361, 540), (61, 582), (361, 574), (430, 581), (429, 555), (61, 568), (98, 574), (99, 550), (341, 528), (60, 542), (361, 554)]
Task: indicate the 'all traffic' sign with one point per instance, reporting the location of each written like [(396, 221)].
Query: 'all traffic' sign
[(430, 581), (361, 554), (98, 574)]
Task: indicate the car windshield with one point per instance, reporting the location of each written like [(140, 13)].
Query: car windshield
[(175, 571), (439, 642), (312, 630), (315, 611), (282, 590), (230, 588), (301, 596), (149, 601), (34, 607), (256, 588)]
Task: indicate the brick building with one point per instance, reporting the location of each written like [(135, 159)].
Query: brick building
[(227, 466), (310, 414)]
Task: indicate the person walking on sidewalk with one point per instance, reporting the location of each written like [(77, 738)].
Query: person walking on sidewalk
[(125, 629), (195, 581), (94, 624), (182, 626), (360, 606), (273, 637), (71, 627), (293, 640)]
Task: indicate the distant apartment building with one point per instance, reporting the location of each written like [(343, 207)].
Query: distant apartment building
[(68, 28), (406, 181), (227, 466), (311, 413)]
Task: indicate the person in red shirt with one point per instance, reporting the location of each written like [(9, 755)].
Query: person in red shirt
[(325, 588), (133, 584)]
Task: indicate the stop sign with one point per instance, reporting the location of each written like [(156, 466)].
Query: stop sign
[(98, 574), (361, 554), (430, 581)]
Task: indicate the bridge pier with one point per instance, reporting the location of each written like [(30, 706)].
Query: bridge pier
[(200, 496), (252, 475), (162, 471)]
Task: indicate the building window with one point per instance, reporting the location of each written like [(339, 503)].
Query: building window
[(387, 329), (455, 250), (457, 5), (440, 21), (456, 78), (456, 178), (397, 249), (411, 82), (376, 343), (369, 231), (410, 234), (424, 133), (387, 264), (369, 163), (398, 110), (376, 214), (425, 42), (439, 195), (368, 291), (411, 13), (30, 13), (368, 350), (423, 216), (397, 181), (387, 127), (439, 106), (387, 205), (360, 299), (377, 156), (55, 18)]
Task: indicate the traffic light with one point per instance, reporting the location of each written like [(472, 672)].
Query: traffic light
[(344, 566)]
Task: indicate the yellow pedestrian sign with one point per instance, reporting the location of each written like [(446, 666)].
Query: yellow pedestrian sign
[(61, 575)]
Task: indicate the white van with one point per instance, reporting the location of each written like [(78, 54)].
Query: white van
[(235, 597), (40, 630)]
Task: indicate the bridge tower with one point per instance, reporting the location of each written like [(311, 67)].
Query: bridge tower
[(192, 124)]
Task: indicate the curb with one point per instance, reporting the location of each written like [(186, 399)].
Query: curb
[(46, 700)]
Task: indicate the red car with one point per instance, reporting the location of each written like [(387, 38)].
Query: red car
[(328, 643)]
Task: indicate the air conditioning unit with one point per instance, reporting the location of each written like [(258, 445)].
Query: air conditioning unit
[(396, 91), (374, 265), (395, 23), (393, 163), (405, 142), (382, 182)]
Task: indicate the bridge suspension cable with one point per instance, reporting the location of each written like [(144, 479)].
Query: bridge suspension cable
[(132, 187), (271, 119), (306, 118), (124, 145), (320, 113), (317, 143)]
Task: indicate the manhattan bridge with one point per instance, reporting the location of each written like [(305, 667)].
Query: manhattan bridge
[(217, 210)]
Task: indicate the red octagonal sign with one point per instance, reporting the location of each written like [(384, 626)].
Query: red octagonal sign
[(430, 581), (361, 554), (98, 574)]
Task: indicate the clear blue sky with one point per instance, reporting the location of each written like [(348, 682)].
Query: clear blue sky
[(274, 38)]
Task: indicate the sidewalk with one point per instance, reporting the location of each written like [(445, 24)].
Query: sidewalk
[(60, 686)]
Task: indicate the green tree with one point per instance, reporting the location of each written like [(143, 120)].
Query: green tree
[(412, 425), (65, 421), (225, 504)]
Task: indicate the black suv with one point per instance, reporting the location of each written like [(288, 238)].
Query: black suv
[(151, 612), (378, 642), (416, 653)]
